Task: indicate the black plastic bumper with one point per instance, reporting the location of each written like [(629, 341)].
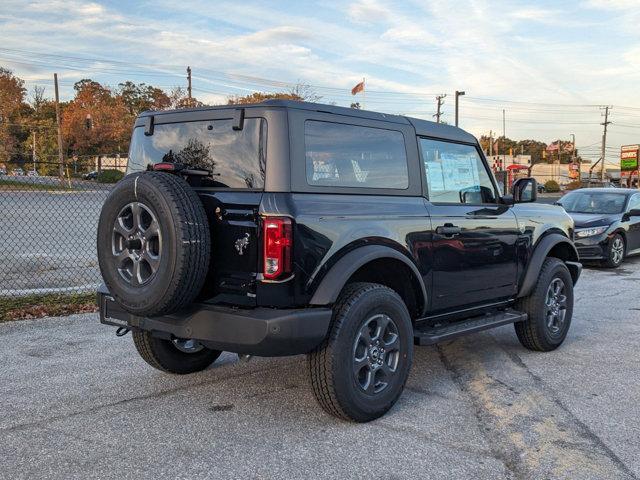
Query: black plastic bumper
[(259, 331)]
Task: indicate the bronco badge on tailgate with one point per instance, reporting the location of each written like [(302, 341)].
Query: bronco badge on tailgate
[(242, 243)]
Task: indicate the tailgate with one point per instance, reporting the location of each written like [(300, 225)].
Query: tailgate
[(235, 241)]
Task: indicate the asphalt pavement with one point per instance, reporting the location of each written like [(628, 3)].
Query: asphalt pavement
[(78, 402)]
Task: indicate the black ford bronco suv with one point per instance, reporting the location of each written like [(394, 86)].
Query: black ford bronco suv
[(285, 228)]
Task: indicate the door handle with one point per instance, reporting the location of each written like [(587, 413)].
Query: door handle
[(448, 230)]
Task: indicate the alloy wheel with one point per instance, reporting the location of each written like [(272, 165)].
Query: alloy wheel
[(376, 353), (617, 250), (136, 243), (556, 306)]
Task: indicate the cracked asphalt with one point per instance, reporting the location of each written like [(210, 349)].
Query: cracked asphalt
[(78, 402)]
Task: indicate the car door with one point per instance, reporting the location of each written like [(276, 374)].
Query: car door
[(474, 236), (633, 235)]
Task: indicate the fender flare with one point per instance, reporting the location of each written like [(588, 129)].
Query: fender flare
[(334, 281), (540, 253)]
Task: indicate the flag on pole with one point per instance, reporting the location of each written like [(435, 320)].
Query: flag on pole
[(358, 88)]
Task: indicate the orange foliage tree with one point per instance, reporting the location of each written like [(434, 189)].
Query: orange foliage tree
[(96, 121)]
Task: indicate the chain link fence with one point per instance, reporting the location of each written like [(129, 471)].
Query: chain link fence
[(48, 226)]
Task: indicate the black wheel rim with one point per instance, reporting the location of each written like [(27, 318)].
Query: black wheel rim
[(556, 306), (376, 354), (136, 244)]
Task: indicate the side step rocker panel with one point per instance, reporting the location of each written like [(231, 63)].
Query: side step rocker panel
[(429, 335)]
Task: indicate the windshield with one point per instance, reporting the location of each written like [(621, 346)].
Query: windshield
[(594, 202)]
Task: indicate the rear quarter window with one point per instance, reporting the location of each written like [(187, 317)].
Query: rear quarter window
[(233, 158), (342, 155)]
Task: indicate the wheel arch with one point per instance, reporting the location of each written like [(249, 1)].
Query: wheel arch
[(550, 245), (375, 263)]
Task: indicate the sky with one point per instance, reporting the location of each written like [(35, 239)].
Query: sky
[(550, 65)]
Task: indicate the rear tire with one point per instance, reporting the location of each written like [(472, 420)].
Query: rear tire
[(360, 370), (173, 356), (615, 251), (549, 308)]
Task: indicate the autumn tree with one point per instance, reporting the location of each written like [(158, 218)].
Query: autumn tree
[(141, 97), (179, 99), (41, 123), (12, 94), (96, 121)]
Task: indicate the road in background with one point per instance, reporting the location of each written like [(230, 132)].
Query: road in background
[(78, 402)]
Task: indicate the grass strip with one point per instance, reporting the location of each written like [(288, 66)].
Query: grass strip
[(48, 305)]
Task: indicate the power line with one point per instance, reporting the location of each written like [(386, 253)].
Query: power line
[(165, 70)]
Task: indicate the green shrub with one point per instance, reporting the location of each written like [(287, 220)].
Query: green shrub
[(110, 176), (551, 186)]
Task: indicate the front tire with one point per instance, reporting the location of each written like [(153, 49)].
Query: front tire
[(549, 308), (615, 251), (173, 356), (360, 370)]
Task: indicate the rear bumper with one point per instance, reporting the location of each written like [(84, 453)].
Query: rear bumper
[(259, 331)]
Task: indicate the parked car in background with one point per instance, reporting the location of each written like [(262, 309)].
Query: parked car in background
[(607, 223), (32, 173), (91, 175), (18, 172)]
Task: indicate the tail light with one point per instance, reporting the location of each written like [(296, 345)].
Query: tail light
[(277, 235)]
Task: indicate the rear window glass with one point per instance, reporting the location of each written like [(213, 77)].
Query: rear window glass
[(340, 155), (233, 158)]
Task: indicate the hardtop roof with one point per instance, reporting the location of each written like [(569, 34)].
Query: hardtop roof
[(422, 127)]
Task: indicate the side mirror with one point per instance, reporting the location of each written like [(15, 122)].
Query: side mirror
[(634, 212), (525, 190)]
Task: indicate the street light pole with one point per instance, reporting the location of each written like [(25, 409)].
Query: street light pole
[(458, 94)]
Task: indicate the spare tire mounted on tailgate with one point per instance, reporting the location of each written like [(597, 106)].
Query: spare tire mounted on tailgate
[(153, 243)]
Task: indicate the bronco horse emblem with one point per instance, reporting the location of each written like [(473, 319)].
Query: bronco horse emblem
[(242, 243)]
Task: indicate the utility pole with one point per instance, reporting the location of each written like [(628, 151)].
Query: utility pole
[(33, 151), (491, 143), (440, 99), (504, 140), (189, 85), (60, 153), (458, 94), (604, 141)]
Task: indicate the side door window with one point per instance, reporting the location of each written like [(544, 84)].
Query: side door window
[(341, 155), (455, 173), (634, 202)]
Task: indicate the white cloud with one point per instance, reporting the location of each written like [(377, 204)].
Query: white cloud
[(613, 4), (368, 11), (481, 46)]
